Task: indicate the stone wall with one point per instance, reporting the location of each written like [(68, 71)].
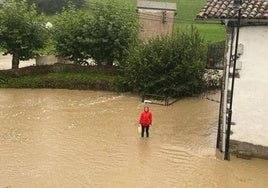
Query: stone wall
[(248, 150), (58, 67), (50, 60)]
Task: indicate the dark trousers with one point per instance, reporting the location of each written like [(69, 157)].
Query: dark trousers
[(144, 128)]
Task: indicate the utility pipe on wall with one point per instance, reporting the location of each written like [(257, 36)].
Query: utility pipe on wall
[(227, 154), (225, 94)]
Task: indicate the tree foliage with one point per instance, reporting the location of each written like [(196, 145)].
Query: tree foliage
[(22, 31), (72, 34), (167, 66), (53, 6), (115, 31), (106, 35)]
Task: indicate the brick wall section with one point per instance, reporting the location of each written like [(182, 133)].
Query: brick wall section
[(155, 23)]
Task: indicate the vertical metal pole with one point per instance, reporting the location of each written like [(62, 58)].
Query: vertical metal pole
[(221, 136), (219, 120), (226, 87), (227, 154)]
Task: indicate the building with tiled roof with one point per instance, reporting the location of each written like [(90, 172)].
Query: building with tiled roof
[(251, 10), (247, 27)]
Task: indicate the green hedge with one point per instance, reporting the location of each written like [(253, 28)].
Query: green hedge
[(95, 81), (168, 66)]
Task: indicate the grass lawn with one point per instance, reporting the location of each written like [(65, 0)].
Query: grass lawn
[(186, 14)]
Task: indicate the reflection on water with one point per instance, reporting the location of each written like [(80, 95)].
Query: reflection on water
[(65, 138)]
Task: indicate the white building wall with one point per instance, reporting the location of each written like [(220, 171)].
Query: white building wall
[(250, 99), (6, 62)]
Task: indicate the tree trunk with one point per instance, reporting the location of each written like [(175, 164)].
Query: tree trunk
[(15, 61), (109, 62)]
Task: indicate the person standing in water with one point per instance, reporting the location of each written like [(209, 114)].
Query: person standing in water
[(145, 121)]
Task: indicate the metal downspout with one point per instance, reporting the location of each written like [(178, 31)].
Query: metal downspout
[(225, 93)]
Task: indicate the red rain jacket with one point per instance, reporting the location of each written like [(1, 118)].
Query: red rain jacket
[(146, 117)]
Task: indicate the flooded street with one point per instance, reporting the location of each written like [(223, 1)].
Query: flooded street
[(69, 138)]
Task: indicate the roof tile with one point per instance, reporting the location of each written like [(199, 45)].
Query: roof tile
[(218, 9)]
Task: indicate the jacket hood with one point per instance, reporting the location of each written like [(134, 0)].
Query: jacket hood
[(146, 109)]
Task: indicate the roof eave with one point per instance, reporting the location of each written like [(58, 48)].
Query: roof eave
[(228, 20), (151, 8)]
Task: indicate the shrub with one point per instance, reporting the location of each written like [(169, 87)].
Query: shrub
[(168, 66)]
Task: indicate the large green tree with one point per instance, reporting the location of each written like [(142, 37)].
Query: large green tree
[(115, 31), (167, 66), (106, 35), (72, 34), (22, 31)]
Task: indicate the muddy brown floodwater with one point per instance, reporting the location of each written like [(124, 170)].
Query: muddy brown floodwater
[(68, 138)]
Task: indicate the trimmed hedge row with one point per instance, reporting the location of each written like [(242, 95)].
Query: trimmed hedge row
[(61, 76), (58, 67)]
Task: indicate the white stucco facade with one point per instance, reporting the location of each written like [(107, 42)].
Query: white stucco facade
[(250, 99)]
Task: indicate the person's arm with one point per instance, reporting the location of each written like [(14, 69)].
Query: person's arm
[(151, 118), (140, 119)]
